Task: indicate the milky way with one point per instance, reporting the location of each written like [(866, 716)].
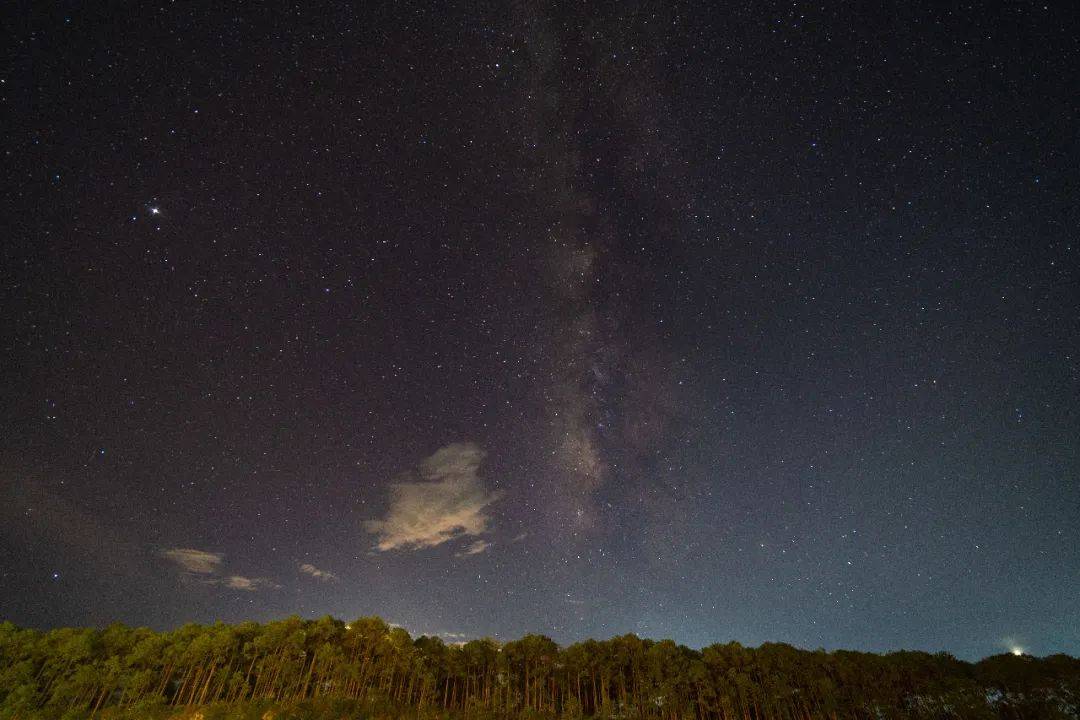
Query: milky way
[(751, 324)]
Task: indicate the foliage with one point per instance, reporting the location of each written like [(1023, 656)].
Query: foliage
[(321, 669)]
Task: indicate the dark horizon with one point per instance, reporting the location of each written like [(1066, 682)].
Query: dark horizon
[(756, 324)]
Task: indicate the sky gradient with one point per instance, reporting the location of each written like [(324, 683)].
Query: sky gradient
[(754, 324)]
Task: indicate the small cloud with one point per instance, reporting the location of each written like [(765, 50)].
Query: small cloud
[(520, 537), (194, 561), (448, 503), (453, 638), (324, 575), (474, 548), (206, 566), (239, 582)]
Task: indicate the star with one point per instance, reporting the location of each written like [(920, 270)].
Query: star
[(670, 331)]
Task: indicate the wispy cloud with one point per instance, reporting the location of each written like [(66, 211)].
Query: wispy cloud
[(194, 561), (450, 638), (448, 502), (453, 638), (239, 582), (452, 635), (474, 548), (324, 575), (206, 567)]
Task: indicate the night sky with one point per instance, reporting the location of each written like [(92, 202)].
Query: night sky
[(756, 323)]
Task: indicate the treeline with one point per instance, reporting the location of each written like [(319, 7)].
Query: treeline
[(369, 669)]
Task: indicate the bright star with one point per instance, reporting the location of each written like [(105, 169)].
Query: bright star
[(155, 211)]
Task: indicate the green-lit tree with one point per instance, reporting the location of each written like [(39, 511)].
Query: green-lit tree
[(325, 668)]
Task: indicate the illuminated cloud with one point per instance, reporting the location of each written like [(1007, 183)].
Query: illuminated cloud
[(453, 638), (474, 548), (239, 582), (324, 575), (194, 561), (207, 565), (449, 502), (452, 635)]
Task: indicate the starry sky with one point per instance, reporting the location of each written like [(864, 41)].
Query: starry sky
[(752, 322)]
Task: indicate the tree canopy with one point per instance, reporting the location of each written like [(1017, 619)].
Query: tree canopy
[(367, 668)]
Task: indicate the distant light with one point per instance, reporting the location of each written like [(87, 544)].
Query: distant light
[(1016, 650)]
